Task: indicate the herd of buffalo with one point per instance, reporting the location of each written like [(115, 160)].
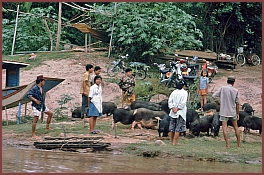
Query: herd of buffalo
[(155, 116)]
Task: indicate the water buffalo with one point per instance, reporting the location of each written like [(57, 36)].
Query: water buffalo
[(124, 116), (210, 106), (248, 109), (108, 108), (145, 104), (146, 117), (254, 123), (202, 124), (164, 126), (216, 123), (164, 106)]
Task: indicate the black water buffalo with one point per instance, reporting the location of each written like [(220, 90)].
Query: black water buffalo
[(248, 109), (216, 123), (146, 117), (254, 123), (164, 106), (164, 126), (108, 108), (191, 115), (202, 124), (145, 104), (209, 106), (124, 116)]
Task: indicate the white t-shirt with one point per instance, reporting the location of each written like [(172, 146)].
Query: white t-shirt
[(96, 95), (178, 99)]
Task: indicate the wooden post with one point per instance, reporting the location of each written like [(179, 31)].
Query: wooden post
[(19, 113), (89, 42), (59, 28), (25, 109), (6, 116), (14, 38), (85, 42)]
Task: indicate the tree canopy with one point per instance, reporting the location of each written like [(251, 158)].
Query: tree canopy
[(144, 30)]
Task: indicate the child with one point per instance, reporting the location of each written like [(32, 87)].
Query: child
[(203, 87), (127, 84), (85, 88), (95, 103)]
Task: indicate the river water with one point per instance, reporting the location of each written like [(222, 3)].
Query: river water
[(21, 160)]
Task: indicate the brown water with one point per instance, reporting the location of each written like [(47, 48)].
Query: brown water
[(42, 161)]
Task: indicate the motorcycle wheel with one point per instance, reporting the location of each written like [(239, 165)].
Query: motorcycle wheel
[(240, 59), (140, 74), (112, 69), (255, 60)]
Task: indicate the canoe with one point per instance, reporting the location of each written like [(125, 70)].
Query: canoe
[(13, 95)]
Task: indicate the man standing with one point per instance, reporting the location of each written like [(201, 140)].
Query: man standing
[(229, 107), (36, 95), (85, 88), (127, 84), (177, 105)]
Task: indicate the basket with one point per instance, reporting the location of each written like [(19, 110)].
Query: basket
[(240, 50)]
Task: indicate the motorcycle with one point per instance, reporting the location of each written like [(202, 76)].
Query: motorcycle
[(164, 71), (139, 69), (179, 71)]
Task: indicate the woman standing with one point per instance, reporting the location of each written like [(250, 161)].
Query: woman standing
[(95, 103)]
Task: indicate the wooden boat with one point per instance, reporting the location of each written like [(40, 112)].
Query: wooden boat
[(13, 95)]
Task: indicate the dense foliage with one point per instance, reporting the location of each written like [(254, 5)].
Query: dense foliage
[(143, 30)]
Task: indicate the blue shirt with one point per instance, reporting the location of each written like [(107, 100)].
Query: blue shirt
[(35, 92), (203, 82)]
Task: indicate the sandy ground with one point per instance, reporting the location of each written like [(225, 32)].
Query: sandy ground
[(248, 82)]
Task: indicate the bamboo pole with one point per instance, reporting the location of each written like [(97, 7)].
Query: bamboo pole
[(110, 44), (14, 38), (50, 35), (59, 27)]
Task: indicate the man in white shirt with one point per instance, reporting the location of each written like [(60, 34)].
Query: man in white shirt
[(177, 105)]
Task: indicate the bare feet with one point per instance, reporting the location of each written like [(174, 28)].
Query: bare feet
[(227, 146), (35, 137)]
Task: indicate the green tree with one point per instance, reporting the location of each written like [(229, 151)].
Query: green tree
[(145, 30), (227, 25)]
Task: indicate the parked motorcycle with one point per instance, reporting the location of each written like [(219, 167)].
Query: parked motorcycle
[(164, 71), (139, 69), (179, 71)]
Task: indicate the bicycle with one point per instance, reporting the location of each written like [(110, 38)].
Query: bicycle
[(249, 57), (139, 69)]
